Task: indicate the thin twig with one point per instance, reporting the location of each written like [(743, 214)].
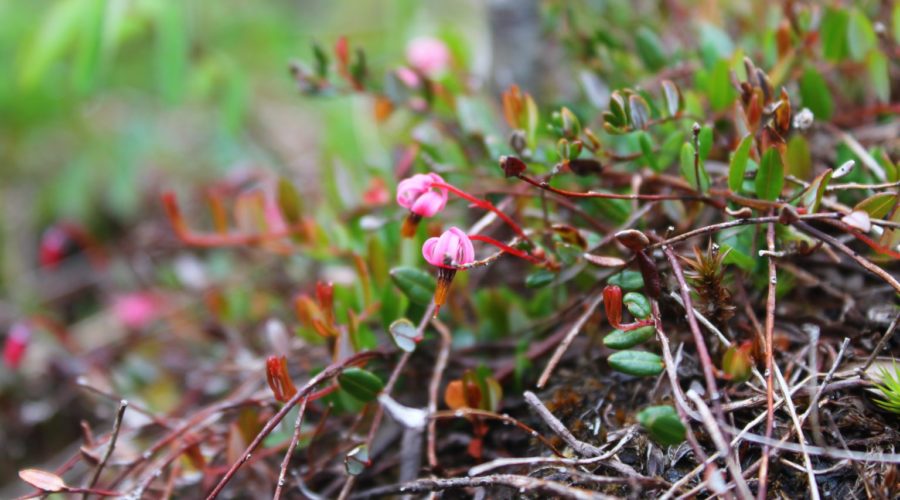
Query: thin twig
[(329, 372), (580, 447), (721, 445), (439, 365), (770, 377), (524, 484), (117, 425), (295, 437), (592, 304), (881, 343), (798, 427)]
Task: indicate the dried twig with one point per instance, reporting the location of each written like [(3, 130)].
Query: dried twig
[(439, 365), (114, 435), (295, 437), (592, 304), (523, 484), (881, 343)]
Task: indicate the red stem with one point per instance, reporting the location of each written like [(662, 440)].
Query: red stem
[(486, 205), (612, 196), (506, 248)]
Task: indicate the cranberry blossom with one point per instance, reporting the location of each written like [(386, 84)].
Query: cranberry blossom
[(421, 198), (450, 250)]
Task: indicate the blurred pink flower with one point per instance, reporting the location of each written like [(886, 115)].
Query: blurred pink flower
[(452, 249), (137, 309), (377, 194), (407, 76), (272, 212), (428, 55), (416, 194), (53, 246), (16, 344)]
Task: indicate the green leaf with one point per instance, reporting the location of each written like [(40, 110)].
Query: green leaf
[(637, 363), (672, 95), (877, 205), (719, 90), (877, 66), (415, 283), (404, 335), (539, 278), (812, 196), (715, 44), (689, 172), (627, 280), (833, 34), (289, 201), (650, 48), (639, 112), (637, 305), (798, 158), (860, 35), (321, 60), (619, 339), (172, 47), (663, 424), (647, 150), (815, 95), (361, 384), (770, 175), (739, 164)]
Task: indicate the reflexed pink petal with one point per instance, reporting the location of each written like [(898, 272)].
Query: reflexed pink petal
[(428, 251), (429, 204), (407, 76), (428, 55)]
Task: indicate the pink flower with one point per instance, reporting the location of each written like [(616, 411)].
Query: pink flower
[(137, 309), (428, 55), (452, 249), (416, 194), (16, 344), (407, 76)]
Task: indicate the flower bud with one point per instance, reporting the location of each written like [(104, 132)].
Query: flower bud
[(278, 378), (612, 302)]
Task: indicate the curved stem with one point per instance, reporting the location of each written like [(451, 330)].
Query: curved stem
[(506, 248), (486, 205)]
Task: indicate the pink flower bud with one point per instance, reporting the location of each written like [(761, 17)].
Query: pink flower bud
[(428, 55), (416, 194), (16, 344), (452, 249)]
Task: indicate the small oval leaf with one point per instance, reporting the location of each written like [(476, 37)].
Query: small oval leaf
[(625, 340), (404, 334), (672, 95), (637, 363), (739, 163), (604, 260), (663, 424), (627, 280), (415, 283), (43, 480), (877, 205), (770, 176), (639, 112), (539, 278), (637, 305), (361, 384), (356, 460)]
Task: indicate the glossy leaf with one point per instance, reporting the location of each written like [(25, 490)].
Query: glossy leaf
[(619, 339), (647, 150), (539, 278), (637, 305), (719, 89), (705, 141), (663, 424), (877, 205), (415, 283), (812, 196), (833, 34), (770, 175), (404, 334), (860, 35), (639, 112), (879, 75), (627, 280), (637, 363), (672, 95), (739, 164), (815, 94), (798, 157), (361, 384), (650, 48)]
